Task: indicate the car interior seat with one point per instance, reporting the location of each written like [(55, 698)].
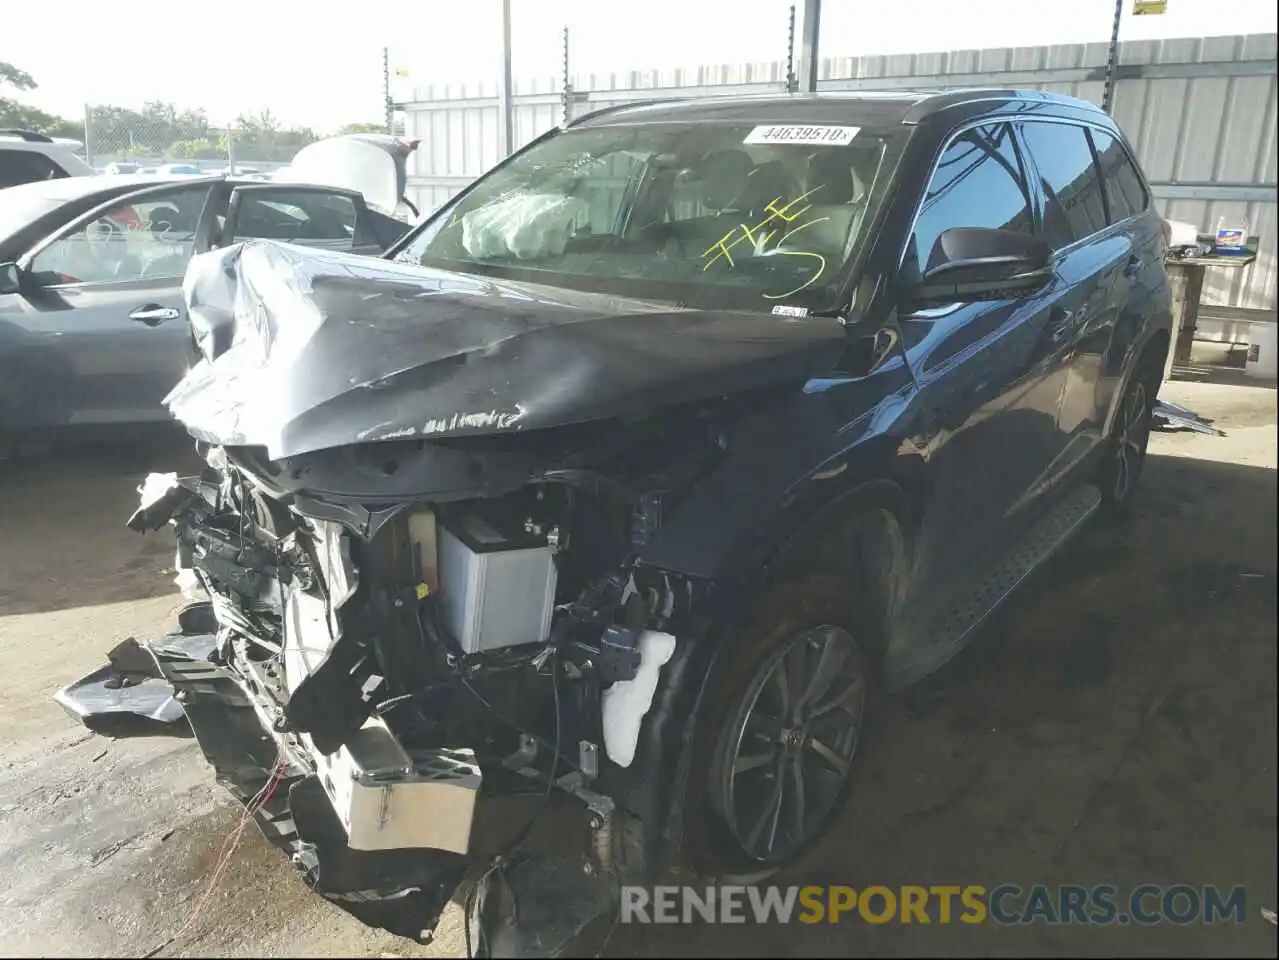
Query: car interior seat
[(722, 177), (170, 226), (771, 189), (838, 195)]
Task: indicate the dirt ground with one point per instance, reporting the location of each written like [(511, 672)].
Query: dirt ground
[(1115, 723)]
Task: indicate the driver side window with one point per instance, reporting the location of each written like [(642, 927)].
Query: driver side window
[(151, 238), (979, 182)]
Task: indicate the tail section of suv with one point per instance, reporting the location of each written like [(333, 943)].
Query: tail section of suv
[(26, 157)]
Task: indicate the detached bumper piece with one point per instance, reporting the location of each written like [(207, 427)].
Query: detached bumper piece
[(148, 689), (128, 695)]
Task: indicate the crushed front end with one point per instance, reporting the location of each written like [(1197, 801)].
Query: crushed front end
[(378, 703), (423, 636)]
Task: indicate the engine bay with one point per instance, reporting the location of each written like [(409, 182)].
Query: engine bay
[(481, 646)]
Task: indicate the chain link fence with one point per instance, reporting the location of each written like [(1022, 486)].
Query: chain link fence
[(122, 140)]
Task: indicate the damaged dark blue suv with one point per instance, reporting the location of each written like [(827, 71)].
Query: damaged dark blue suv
[(617, 489)]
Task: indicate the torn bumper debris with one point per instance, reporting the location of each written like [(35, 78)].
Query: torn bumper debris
[(177, 683)]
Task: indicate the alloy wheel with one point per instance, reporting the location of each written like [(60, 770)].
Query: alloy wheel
[(1132, 436), (792, 743)]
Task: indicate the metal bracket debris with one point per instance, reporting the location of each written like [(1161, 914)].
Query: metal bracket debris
[(1170, 416)]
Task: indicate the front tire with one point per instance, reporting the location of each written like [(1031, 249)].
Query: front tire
[(783, 731)]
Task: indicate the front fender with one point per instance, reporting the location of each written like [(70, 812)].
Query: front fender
[(778, 456), (788, 466), (668, 744)]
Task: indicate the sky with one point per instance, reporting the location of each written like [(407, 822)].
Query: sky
[(320, 65)]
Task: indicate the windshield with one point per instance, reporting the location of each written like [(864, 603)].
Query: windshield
[(717, 215)]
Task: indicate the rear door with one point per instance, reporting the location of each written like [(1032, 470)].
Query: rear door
[(324, 217), (1143, 291), (101, 311), (1095, 261)]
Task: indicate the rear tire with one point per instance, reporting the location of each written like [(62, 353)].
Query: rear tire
[(1125, 457)]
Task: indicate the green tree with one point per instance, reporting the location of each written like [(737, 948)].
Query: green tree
[(11, 75), (260, 136), (397, 129), (160, 129), (15, 115)]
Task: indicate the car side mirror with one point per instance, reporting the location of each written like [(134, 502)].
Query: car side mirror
[(970, 264), (10, 278)]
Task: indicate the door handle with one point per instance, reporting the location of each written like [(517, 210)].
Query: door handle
[(1062, 323), (152, 314)]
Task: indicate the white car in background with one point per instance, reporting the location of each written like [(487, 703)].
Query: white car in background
[(26, 157)]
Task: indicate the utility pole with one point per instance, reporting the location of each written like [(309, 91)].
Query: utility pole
[(505, 113), (88, 136), (387, 105), (812, 29), (1112, 58)]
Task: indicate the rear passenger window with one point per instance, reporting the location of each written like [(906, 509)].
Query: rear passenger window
[(978, 183), (1075, 206), (23, 166), (1124, 189)]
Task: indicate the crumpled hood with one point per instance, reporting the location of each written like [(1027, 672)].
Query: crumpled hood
[(308, 349)]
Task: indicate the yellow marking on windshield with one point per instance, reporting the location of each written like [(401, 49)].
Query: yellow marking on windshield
[(821, 261), (722, 247), (759, 237)]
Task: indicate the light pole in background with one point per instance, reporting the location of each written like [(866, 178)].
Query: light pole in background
[(505, 113), (810, 33)]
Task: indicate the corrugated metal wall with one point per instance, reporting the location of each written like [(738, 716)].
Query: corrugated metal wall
[(1200, 111)]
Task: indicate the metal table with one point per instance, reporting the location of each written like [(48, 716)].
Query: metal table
[(1187, 275)]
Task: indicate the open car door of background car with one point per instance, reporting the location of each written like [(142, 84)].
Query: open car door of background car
[(309, 216), (96, 331)]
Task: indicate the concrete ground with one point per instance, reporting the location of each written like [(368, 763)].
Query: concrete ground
[(1116, 723)]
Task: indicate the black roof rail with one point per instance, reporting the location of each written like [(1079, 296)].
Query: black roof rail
[(28, 135), (615, 107), (936, 101)]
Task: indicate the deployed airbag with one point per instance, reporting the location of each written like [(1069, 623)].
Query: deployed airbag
[(524, 227)]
